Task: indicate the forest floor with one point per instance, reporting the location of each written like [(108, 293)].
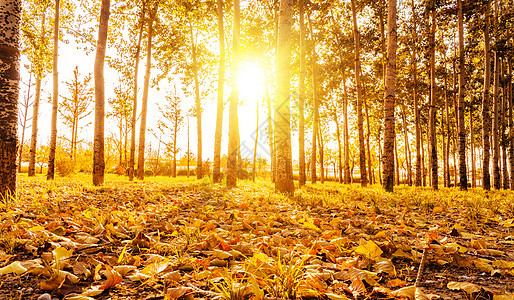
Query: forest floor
[(183, 238)]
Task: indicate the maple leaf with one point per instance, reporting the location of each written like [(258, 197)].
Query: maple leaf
[(113, 278)]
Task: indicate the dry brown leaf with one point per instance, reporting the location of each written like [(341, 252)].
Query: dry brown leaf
[(178, 292), (113, 278), (467, 287)]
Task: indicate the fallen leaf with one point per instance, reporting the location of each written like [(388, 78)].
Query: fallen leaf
[(467, 287), (14, 267)]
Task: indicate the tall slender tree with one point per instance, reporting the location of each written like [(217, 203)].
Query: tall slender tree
[(135, 81), (389, 98), (301, 100), (284, 181), (432, 119), (216, 174), (40, 71), (496, 113), (418, 176), (486, 118), (233, 134), (462, 86), (144, 100), (55, 97), (98, 154), (360, 127), (10, 16)]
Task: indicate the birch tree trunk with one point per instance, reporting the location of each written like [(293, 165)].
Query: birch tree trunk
[(284, 181), (10, 16), (233, 134), (432, 119), (315, 105), (486, 118), (346, 134), (35, 108), (144, 100), (98, 154), (389, 98), (33, 138), (462, 86), (216, 173), (55, 97), (362, 151), (301, 104), (134, 107), (416, 105)]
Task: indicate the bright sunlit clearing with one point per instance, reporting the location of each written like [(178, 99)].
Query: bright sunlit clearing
[(251, 83)]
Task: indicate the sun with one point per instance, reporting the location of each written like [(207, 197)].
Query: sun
[(251, 83)]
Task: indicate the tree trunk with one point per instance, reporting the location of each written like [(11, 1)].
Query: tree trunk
[(368, 146), (346, 134), (24, 124), (496, 125), (216, 173), (233, 134), (444, 124), (315, 105), (33, 138), (397, 161), (321, 157), (416, 105), (134, 107), (270, 137), (55, 97), (486, 118), (472, 142), (256, 139), (511, 123), (362, 151), (35, 111), (504, 98), (407, 146), (432, 123), (284, 181), (9, 89), (462, 86), (301, 100), (144, 100), (389, 99), (198, 108), (98, 155), (188, 158), (339, 152)]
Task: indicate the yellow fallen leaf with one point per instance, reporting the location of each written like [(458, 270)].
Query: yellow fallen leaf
[(178, 292), (467, 287), (37, 228), (113, 278), (507, 296), (14, 267), (60, 255), (437, 209), (370, 250), (336, 297)]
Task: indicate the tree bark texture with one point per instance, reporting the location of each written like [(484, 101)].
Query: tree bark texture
[(432, 119), (301, 100), (389, 99), (216, 169), (144, 100), (284, 180), (462, 86), (10, 16), (33, 138), (134, 107), (98, 154), (233, 134), (486, 118), (55, 97), (360, 127)]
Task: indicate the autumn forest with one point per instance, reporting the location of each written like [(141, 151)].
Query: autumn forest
[(256, 149)]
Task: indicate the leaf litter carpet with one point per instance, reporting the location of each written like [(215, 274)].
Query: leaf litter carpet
[(196, 240)]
